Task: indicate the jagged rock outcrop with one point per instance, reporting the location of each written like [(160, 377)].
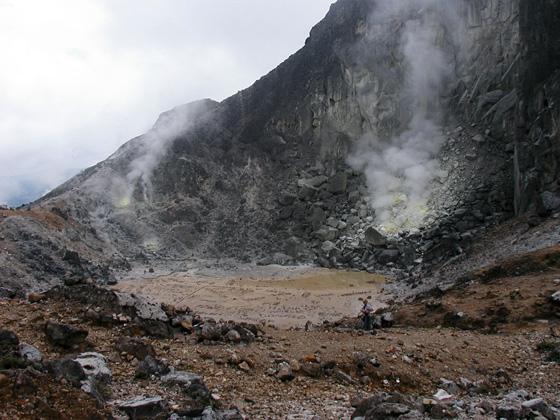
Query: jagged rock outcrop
[(427, 120)]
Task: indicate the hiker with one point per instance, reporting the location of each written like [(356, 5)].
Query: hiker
[(365, 312)]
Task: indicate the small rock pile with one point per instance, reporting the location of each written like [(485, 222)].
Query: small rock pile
[(513, 406), (109, 308), (23, 366)]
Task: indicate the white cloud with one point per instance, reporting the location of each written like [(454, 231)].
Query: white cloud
[(80, 77)]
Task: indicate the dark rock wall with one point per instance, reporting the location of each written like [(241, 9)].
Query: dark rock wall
[(537, 169), (540, 34)]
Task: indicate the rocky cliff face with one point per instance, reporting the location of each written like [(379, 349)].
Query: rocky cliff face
[(392, 138)]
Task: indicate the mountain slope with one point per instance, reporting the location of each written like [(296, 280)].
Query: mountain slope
[(391, 141)]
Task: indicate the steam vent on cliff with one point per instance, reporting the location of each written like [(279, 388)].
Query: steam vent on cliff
[(414, 139)]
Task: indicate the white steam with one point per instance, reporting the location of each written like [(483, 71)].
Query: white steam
[(153, 146), (149, 150), (400, 167)]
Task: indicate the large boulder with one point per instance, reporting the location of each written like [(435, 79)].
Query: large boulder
[(68, 369), (337, 184), (374, 237), (8, 340), (65, 335), (30, 353), (191, 384), (152, 366), (95, 367), (142, 408), (136, 347)]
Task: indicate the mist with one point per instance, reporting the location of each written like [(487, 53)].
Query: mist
[(146, 152), (399, 163)]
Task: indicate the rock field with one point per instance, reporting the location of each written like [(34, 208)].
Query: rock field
[(487, 348)]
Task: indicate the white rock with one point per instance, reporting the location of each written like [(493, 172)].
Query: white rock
[(442, 395)]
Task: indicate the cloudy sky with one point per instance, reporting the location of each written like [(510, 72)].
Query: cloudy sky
[(78, 78)]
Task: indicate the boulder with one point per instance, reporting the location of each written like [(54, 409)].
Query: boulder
[(152, 366), (284, 372), (144, 309), (442, 394), (353, 197), (287, 198), (537, 405), (317, 218), (245, 333), (388, 256), (210, 331), (386, 410), (191, 384), (8, 340), (65, 335), (147, 318), (313, 370), (385, 406), (6, 293), (136, 347), (29, 353), (326, 233), (387, 319), (210, 414), (95, 366), (449, 386), (374, 237), (337, 184), (72, 257), (344, 378), (286, 212), (67, 369), (547, 202), (35, 297), (233, 336), (314, 182), (508, 411), (186, 324), (9, 355), (327, 246), (306, 192), (25, 382), (141, 408), (282, 259)]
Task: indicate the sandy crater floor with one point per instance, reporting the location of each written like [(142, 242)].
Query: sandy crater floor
[(281, 296)]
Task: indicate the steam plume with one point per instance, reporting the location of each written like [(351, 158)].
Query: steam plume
[(400, 166), (150, 149)]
